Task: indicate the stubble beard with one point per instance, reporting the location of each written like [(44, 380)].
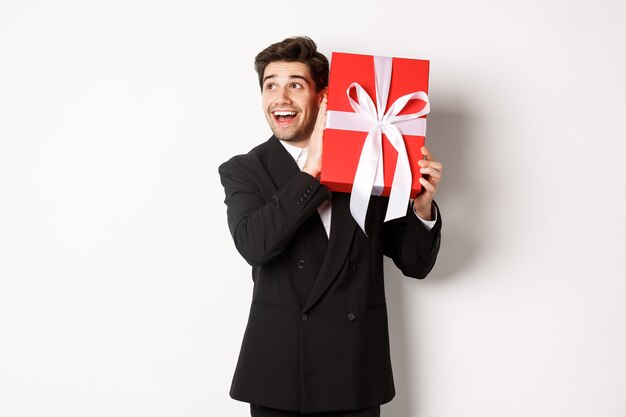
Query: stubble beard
[(294, 133)]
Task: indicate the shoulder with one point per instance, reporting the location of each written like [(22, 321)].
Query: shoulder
[(252, 161)]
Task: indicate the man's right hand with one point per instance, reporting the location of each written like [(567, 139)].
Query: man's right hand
[(313, 163)]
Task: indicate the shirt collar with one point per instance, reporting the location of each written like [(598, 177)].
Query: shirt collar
[(293, 150)]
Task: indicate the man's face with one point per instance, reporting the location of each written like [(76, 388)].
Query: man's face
[(290, 102)]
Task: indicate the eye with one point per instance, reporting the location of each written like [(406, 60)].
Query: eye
[(270, 86), (295, 85)]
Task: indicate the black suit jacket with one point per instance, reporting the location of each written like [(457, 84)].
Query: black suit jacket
[(317, 337)]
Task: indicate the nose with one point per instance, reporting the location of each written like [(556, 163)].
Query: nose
[(283, 95)]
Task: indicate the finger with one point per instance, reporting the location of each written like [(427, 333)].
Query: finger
[(318, 130), (427, 185), (426, 153), (434, 164), (322, 109), (321, 114), (320, 123), (433, 173), (432, 181)]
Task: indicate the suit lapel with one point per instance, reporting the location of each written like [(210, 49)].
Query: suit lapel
[(342, 228), (282, 168), (280, 164)]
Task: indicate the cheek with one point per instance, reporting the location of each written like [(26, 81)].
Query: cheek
[(313, 109), (266, 99), (309, 106)]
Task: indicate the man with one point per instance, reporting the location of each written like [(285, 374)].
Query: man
[(317, 340)]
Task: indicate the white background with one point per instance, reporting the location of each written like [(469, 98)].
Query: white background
[(121, 293)]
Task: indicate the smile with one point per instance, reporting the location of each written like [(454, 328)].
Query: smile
[(284, 117)]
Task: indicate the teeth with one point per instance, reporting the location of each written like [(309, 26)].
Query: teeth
[(284, 113)]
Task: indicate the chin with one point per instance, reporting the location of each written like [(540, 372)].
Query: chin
[(287, 136), (293, 134)]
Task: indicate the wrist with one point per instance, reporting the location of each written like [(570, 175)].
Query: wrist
[(315, 173), (313, 169), (424, 213)]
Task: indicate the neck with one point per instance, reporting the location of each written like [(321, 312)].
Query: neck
[(302, 143)]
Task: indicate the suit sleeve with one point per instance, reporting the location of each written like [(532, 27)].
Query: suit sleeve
[(262, 229), (411, 245)]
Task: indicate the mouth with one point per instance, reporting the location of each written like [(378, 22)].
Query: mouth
[(284, 117)]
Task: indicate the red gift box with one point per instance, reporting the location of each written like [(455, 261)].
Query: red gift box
[(342, 148)]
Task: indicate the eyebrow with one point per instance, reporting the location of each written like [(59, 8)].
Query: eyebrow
[(296, 76)]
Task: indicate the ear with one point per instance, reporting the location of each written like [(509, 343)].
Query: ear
[(323, 93)]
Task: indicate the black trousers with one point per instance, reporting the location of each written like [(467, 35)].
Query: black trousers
[(260, 411)]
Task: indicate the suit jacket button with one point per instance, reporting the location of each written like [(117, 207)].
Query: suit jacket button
[(352, 267), (301, 264), (351, 316), (304, 317)]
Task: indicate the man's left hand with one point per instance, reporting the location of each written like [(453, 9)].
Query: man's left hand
[(431, 176)]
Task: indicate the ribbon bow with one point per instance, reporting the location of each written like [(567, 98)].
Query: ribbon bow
[(369, 178)]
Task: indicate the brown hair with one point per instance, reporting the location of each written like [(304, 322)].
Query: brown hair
[(295, 49)]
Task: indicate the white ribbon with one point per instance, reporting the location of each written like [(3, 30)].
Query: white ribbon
[(369, 178)]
